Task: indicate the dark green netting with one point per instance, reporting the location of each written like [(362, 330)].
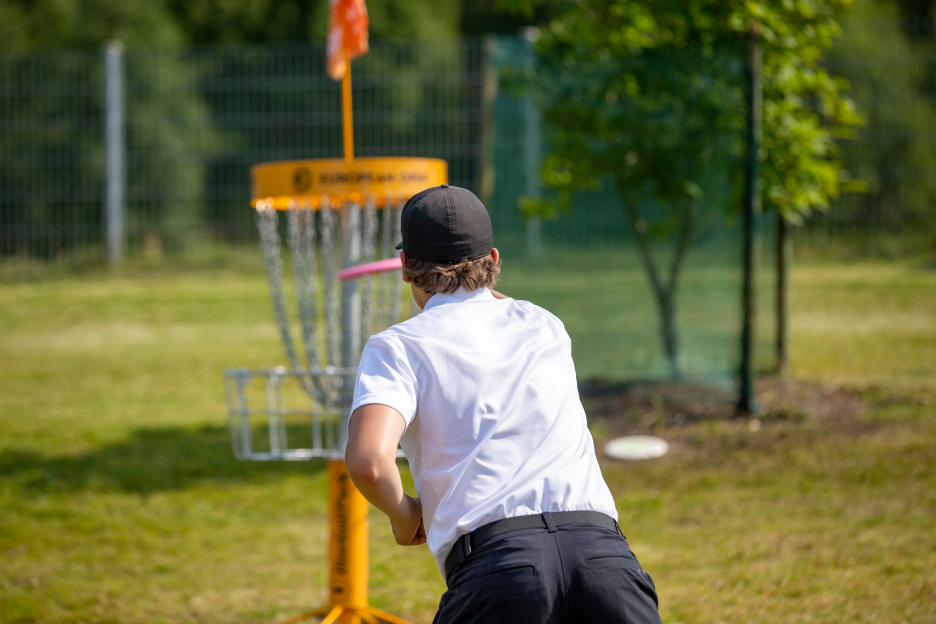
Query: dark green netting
[(585, 264), (198, 119)]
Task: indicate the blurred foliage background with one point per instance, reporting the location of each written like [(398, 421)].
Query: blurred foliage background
[(819, 57), (119, 497), (609, 123)]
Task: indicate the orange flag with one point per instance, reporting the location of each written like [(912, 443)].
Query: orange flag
[(347, 35)]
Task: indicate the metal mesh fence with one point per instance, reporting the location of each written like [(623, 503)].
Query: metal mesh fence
[(591, 267), (889, 185), (51, 153), (197, 119)]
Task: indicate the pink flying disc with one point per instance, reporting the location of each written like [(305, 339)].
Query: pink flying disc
[(380, 266)]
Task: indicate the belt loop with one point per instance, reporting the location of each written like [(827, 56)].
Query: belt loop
[(549, 522), (619, 531), (459, 550), (465, 544)]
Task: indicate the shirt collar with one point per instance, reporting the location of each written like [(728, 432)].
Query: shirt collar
[(459, 296)]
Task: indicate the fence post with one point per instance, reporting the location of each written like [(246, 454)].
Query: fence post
[(784, 257), (532, 149), (114, 138), (488, 87), (747, 401)]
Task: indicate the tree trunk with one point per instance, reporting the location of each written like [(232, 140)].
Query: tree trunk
[(667, 305), (664, 291)]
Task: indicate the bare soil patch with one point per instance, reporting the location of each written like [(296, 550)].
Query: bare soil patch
[(625, 408)]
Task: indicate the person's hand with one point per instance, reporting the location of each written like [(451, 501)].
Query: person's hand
[(409, 537), (412, 532)]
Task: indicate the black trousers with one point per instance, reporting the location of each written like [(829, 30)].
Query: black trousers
[(577, 573)]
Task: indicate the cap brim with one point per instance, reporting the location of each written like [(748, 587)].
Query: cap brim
[(399, 245)]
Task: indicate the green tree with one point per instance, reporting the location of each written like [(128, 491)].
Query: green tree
[(257, 21), (58, 24), (486, 17), (50, 24), (55, 102), (918, 17), (171, 140), (644, 94), (890, 73)]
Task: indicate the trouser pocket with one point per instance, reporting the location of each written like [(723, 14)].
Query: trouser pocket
[(510, 596)]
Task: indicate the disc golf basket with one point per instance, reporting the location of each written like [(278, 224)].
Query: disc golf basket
[(340, 220)]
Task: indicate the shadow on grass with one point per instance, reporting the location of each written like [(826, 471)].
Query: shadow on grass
[(150, 460)]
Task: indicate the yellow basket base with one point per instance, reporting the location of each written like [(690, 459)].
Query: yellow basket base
[(353, 615)]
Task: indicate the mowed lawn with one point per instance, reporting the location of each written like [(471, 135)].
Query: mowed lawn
[(120, 500)]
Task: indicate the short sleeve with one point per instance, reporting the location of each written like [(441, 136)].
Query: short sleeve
[(384, 376)]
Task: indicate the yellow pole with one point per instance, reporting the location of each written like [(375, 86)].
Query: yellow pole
[(348, 509), (349, 552), (348, 549), (346, 115)]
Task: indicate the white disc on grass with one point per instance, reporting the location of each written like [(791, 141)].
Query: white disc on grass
[(636, 447)]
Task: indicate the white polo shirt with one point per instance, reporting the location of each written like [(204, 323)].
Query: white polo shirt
[(495, 428)]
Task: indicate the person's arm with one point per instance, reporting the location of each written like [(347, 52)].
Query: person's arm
[(373, 435)]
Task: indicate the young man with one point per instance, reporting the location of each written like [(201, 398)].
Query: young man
[(480, 392)]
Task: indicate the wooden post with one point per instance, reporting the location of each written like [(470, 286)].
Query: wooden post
[(747, 401)]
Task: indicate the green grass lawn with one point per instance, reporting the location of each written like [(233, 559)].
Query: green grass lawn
[(120, 500)]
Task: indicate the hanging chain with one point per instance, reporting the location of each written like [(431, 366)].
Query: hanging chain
[(397, 293), (381, 299), (304, 277), (309, 233), (268, 226), (387, 243), (329, 282), (302, 246), (369, 251)]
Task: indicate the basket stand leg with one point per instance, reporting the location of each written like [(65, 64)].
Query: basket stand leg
[(348, 556)]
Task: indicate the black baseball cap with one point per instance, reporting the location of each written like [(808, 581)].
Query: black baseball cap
[(446, 225)]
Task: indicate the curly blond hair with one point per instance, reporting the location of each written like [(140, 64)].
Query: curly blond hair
[(447, 278)]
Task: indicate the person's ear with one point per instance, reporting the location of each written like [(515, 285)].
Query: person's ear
[(403, 261), (495, 255)]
